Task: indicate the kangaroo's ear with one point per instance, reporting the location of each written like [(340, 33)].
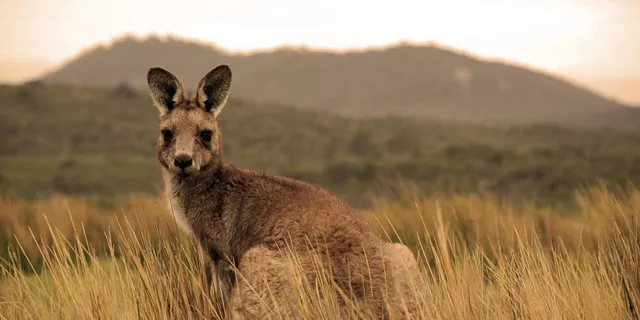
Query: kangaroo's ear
[(165, 89), (213, 89)]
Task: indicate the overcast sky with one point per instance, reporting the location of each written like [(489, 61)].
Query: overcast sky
[(575, 37)]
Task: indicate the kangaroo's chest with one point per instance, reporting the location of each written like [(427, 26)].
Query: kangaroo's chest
[(178, 212)]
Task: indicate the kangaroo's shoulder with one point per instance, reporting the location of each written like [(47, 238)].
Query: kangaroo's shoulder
[(262, 180), (286, 189)]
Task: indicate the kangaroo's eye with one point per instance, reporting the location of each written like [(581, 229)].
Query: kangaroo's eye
[(205, 135), (166, 135)]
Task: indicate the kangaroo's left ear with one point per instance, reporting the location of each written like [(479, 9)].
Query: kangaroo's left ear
[(165, 89), (213, 89)]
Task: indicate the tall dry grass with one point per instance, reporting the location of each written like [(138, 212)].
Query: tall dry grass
[(480, 259)]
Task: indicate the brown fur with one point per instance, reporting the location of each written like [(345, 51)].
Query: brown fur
[(244, 219)]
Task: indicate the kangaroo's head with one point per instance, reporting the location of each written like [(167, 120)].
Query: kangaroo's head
[(189, 139)]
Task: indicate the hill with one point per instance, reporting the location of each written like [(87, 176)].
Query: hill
[(401, 80), (621, 86), (93, 141)]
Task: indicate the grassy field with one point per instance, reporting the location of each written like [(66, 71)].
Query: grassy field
[(82, 258), (505, 221)]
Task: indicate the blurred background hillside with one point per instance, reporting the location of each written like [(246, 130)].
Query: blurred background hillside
[(528, 102)]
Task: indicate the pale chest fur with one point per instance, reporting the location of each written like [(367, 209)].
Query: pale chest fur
[(176, 208)]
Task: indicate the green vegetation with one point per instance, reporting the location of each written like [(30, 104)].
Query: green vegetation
[(84, 141)]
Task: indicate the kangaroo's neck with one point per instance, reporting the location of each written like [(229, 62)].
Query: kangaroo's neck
[(203, 207), (187, 191)]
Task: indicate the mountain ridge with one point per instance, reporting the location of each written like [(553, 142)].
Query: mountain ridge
[(403, 79)]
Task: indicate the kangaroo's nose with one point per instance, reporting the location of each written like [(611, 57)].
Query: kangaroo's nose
[(183, 161)]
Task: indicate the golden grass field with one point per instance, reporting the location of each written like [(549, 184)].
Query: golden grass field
[(480, 259)]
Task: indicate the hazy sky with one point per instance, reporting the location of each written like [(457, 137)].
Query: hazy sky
[(583, 38)]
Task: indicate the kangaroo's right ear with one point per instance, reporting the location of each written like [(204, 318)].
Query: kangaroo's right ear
[(165, 89)]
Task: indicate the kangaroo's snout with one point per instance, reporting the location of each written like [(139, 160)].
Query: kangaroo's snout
[(183, 161)]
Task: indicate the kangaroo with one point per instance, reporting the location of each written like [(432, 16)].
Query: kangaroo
[(243, 219)]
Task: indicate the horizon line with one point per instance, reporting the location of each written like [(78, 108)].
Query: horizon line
[(309, 49)]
